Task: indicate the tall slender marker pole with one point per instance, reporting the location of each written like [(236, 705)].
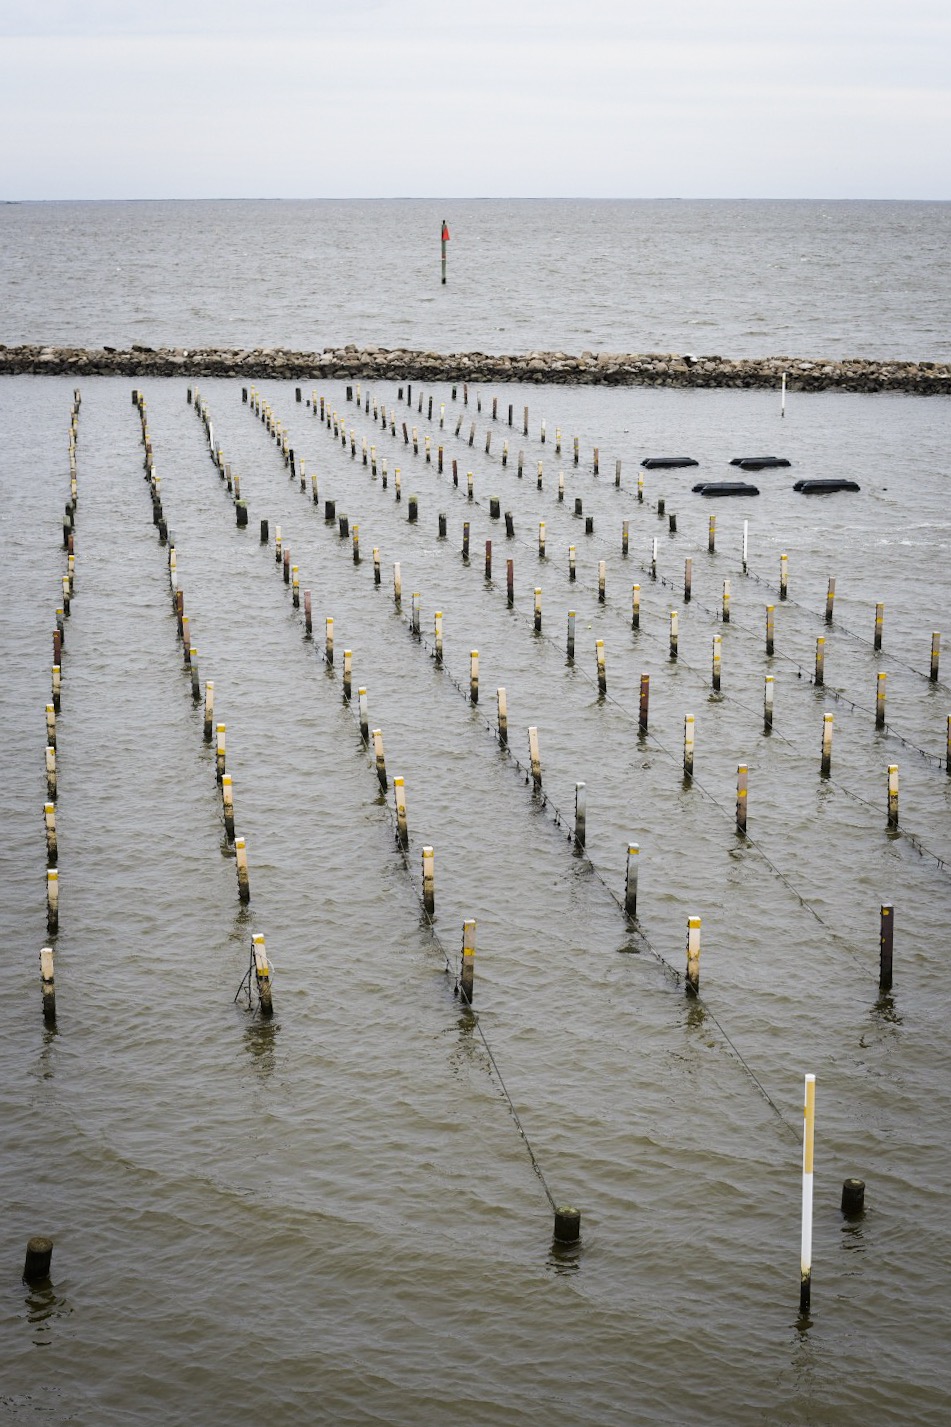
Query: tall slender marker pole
[(808, 1146), (886, 942), (444, 241)]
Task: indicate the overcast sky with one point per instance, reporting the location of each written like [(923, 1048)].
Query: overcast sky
[(601, 98)]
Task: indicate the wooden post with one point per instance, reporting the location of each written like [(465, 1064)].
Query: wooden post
[(717, 648), (692, 984), (853, 1197), (820, 661), (726, 602), (654, 558), (51, 725), (688, 579), (51, 772), (830, 600), (355, 543), (399, 797), (474, 676), (712, 534), (808, 1148), (742, 772), (308, 613), (295, 586), (468, 961), (746, 545), (688, 745), (510, 582), (617, 474), (377, 576), (541, 540), (935, 652), (39, 1255), (561, 486), (262, 975), (580, 814), (645, 703), (879, 624), (630, 880), (209, 710), (465, 540), (220, 750), (674, 632), (329, 640), (538, 610), (893, 795), (380, 759), (437, 636), (768, 692), (397, 584), (635, 606), (783, 576), (48, 985), (415, 613), (886, 944), (770, 630), (429, 881), (347, 673), (826, 762), (572, 569), (502, 703), (241, 859), (570, 647), (602, 577), (488, 559), (364, 717), (625, 536), (57, 684), (539, 477), (880, 700), (602, 672), (227, 799), (534, 756), (947, 747)]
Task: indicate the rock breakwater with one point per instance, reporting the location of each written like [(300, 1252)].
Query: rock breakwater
[(588, 369)]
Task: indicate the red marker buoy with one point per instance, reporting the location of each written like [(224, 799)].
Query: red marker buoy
[(445, 240)]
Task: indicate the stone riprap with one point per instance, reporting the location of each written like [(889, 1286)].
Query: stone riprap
[(590, 369)]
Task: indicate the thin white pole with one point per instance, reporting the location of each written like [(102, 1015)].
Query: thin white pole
[(808, 1145)]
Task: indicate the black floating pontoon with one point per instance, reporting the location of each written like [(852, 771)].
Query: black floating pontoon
[(667, 463), (826, 487), (759, 463), (726, 488)]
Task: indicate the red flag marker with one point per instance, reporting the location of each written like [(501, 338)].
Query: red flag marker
[(445, 240)]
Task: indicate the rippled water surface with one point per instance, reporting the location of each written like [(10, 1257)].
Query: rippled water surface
[(735, 279), (333, 1217)]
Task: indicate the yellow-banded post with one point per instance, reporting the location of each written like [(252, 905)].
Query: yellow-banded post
[(193, 668), (227, 801), (570, 645), (692, 983), (783, 576), (347, 673), (329, 640), (808, 1149), (935, 652), (355, 543), (742, 789), (49, 817), (376, 565), (414, 613), (51, 771), (380, 759), (688, 579), (541, 540), (474, 676), (886, 945), (51, 725), (241, 862), (503, 715), (52, 900), (558, 440), (770, 630), (630, 879), (399, 798), (602, 579), (712, 534), (220, 750), (635, 606), (580, 813), (689, 739), (826, 762), (830, 599), (48, 985), (467, 968), (209, 711), (716, 663), (820, 661), (602, 670), (880, 700), (534, 756), (363, 714), (625, 536), (295, 587), (674, 633), (725, 613), (644, 706), (278, 551), (572, 567), (879, 624), (769, 690), (437, 636), (429, 882), (893, 795), (538, 610), (465, 541), (262, 975)]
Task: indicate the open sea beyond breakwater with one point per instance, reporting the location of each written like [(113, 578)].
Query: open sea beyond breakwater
[(341, 1213)]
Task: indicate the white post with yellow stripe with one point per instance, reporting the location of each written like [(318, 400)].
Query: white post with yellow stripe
[(467, 970), (262, 974), (693, 956), (808, 1145)]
